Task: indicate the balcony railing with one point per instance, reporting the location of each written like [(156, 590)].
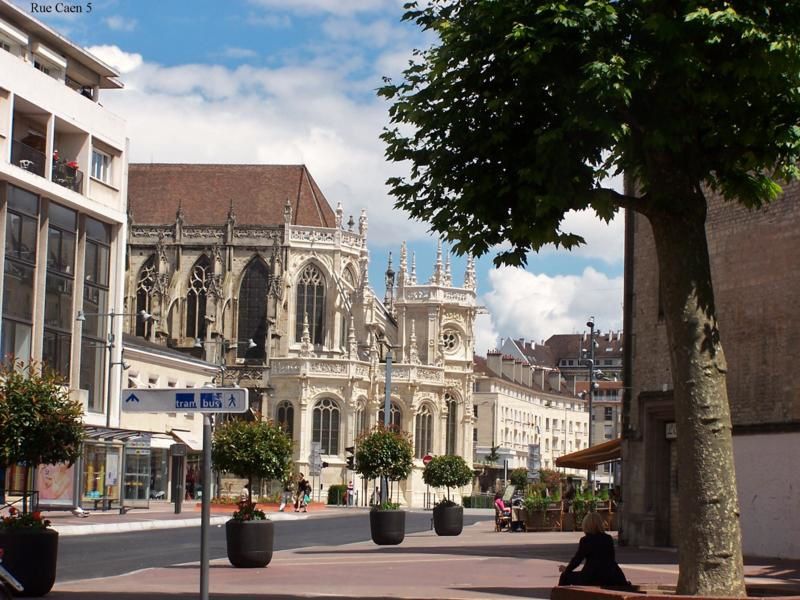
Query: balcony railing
[(27, 158), (67, 174)]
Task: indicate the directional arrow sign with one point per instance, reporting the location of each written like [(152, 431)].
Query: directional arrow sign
[(195, 400)]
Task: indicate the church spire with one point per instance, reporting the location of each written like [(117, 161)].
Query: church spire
[(437, 278)]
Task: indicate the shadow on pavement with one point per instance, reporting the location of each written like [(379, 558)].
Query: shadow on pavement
[(216, 596), (539, 592)]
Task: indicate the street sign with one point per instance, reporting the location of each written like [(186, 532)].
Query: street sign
[(426, 459), (191, 400), (315, 459)]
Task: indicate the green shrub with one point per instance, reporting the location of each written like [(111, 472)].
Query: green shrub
[(519, 478), (337, 494), (447, 471)]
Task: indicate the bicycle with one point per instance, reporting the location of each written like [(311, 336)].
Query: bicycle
[(6, 580)]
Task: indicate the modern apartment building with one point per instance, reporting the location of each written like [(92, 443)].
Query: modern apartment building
[(63, 175)]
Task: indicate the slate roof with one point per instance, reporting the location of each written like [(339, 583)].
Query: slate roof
[(205, 192)]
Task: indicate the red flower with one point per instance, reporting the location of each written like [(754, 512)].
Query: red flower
[(12, 511), (72, 164), (37, 516)]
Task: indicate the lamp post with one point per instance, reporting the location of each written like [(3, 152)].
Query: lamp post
[(590, 393), (81, 317), (387, 415)]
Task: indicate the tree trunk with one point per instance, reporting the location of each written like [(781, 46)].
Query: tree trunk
[(709, 546)]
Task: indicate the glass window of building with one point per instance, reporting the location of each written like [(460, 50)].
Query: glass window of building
[(253, 308), (395, 416), (22, 223), (325, 428), (101, 166), (608, 413), (199, 281), (452, 423), (310, 303), (423, 432), (59, 287), (361, 419), (144, 296), (284, 415), (95, 303)]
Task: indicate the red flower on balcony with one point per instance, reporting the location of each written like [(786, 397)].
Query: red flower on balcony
[(72, 164)]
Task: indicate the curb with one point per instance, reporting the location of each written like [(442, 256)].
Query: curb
[(72, 530)]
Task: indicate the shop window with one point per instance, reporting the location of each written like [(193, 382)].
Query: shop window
[(253, 308), (423, 432), (325, 427), (310, 303)]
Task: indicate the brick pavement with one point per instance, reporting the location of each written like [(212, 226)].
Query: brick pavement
[(477, 564)]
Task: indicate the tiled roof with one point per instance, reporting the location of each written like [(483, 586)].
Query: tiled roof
[(569, 345), (205, 193)]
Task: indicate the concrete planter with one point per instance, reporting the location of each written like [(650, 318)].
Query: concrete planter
[(448, 519), (387, 527), (31, 555), (249, 543)]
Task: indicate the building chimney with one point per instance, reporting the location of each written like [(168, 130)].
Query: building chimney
[(494, 362)]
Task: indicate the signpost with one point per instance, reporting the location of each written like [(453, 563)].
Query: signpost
[(207, 401)]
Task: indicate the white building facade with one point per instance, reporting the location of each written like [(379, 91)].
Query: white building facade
[(250, 267)]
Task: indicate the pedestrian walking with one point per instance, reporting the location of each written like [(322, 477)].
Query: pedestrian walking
[(302, 497), (350, 494), (286, 495)]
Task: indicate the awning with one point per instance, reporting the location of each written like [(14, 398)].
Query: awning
[(108, 434), (589, 458), (188, 438)]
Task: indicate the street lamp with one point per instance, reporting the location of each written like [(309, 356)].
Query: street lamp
[(387, 409), (81, 317), (590, 392)]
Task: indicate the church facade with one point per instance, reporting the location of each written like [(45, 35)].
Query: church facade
[(251, 268)]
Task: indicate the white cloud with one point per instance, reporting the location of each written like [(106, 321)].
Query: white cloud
[(233, 52), (536, 306), (294, 114), (124, 62), (119, 23), (486, 336), (337, 7), (378, 33)]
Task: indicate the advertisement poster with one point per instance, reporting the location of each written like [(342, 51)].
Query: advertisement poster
[(56, 484)]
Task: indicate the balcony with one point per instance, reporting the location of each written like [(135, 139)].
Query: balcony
[(27, 158), (67, 174)]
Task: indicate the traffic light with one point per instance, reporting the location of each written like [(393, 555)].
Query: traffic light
[(351, 459)]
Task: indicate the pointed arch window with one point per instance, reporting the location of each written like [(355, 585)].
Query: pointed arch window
[(395, 416), (144, 296), (199, 281), (361, 419), (310, 303), (253, 308), (325, 429), (284, 416), (423, 432), (451, 432)]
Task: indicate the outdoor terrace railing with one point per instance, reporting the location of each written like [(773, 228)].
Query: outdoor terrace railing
[(27, 158)]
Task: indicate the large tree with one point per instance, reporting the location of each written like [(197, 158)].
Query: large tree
[(522, 108)]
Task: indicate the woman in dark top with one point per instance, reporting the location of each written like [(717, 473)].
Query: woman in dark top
[(597, 549)]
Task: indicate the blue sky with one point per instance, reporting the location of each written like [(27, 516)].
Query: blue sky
[(293, 81)]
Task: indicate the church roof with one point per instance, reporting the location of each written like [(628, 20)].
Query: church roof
[(205, 193)]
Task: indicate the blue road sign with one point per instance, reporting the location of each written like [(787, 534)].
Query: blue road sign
[(201, 400)]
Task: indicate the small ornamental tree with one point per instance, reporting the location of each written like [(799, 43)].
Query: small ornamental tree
[(385, 452), (252, 449), (519, 478), (447, 471), (39, 422)]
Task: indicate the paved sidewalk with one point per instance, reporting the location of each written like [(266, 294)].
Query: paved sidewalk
[(477, 564)]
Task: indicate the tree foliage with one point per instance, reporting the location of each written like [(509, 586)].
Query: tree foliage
[(447, 471), (523, 108), (519, 478), (385, 452), (252, 449), (39, 422)]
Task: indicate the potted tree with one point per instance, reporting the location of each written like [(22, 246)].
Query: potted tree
[(39, 424), (447, 471), (385, 453), (251, 449)]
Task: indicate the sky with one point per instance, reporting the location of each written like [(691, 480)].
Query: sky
[(294, 81)]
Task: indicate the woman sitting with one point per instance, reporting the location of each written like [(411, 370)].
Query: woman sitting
[(597, 549), (500, 506)]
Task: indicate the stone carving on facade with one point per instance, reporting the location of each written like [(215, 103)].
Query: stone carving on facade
[(202, 232), (329, 367), (339, 215), (311, 234), (413, 352), (306, 347), (287, 212)]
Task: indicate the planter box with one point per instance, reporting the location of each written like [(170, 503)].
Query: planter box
[(387, 527), (548, 520), (249, 543), (31, 556)]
